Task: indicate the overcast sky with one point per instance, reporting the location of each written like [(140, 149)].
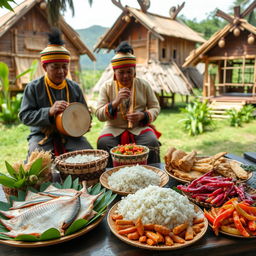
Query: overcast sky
[(104, 13)]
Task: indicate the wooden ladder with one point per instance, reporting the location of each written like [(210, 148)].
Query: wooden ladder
[(219, 108)]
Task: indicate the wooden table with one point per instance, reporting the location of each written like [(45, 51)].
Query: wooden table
[(101, 242)]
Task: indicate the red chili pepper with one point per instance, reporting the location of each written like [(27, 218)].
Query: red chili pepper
[(217, 199), (216, 192)]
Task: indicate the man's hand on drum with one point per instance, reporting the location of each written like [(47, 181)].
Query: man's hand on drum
[(123, 93), (58, 107), (135, 117)]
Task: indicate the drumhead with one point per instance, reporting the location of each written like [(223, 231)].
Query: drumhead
[(76, 119)]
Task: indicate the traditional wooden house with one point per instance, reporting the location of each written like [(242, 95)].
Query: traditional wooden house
[(23, 34), (160, 44), (230, 62)]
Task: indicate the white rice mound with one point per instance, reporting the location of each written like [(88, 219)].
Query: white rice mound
[(156, 205), (78, 159), (132, 178)]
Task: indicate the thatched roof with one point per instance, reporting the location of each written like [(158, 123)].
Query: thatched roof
[(158, 25), (9, 19), (197, 55), (166, 77)]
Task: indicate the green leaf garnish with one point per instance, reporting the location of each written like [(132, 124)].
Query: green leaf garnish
[(11, 170), (75, 184), (50, 234), (36, 167), (96, 189), (29, 238), (7, 181), (67, 183), (75, 226)]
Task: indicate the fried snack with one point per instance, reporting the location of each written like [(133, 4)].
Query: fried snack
[(168, 157), (203, 168), (224, 170), (238, 170), (205, 160), (217, 156), (182, 175), (186, 163), (187, 175), (176, 156)]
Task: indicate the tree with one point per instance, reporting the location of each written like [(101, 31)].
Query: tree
[(57, 7), (5, 4), (206, 27)]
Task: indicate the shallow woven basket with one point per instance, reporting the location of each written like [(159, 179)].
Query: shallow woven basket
[(119, 159), (89, 171), (9, 192)]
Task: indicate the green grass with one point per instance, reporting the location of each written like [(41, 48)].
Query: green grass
[(13, 143)]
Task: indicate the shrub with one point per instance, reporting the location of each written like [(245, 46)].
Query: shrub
[(235, 117), (198, 117), (247, 113), (10, 106)]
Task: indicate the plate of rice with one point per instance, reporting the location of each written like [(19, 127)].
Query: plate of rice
[(127, 179), (139, 218)]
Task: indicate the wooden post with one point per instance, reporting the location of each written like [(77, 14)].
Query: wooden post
[(212, 85), (243, 69), (148, 45), (224, 71), (205, 83), (157, 49), (254, 79), (173, 99), (187, 97)]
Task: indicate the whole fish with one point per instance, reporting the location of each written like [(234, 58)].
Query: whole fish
[(57, 213)]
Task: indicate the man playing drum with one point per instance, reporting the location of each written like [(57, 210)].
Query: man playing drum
[(128, 105), (49, 95)]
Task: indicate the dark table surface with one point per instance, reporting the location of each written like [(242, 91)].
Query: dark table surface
[(100, 241)]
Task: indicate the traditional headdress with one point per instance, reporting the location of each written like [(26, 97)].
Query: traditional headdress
[(124, 56), (55, 51)]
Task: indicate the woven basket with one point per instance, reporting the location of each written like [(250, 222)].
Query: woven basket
[(119, 159), (9, 192), (47, 176), (89, 171)]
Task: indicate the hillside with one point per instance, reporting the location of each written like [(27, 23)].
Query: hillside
[(90, 37)]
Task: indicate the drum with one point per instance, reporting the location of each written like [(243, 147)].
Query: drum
[(74, 121)]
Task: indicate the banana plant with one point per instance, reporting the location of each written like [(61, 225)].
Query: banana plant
[(198, 117), (10, 105)]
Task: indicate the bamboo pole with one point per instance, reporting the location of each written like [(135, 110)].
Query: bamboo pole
[(253, 89)]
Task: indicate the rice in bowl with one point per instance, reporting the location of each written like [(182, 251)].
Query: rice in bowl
[(78, 159), (156, 205), (132, 178)]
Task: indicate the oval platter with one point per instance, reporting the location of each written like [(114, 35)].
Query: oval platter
[(53, 241), (164, 178), (111, 225), (171, 173), (248, 189), (233, 235)]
